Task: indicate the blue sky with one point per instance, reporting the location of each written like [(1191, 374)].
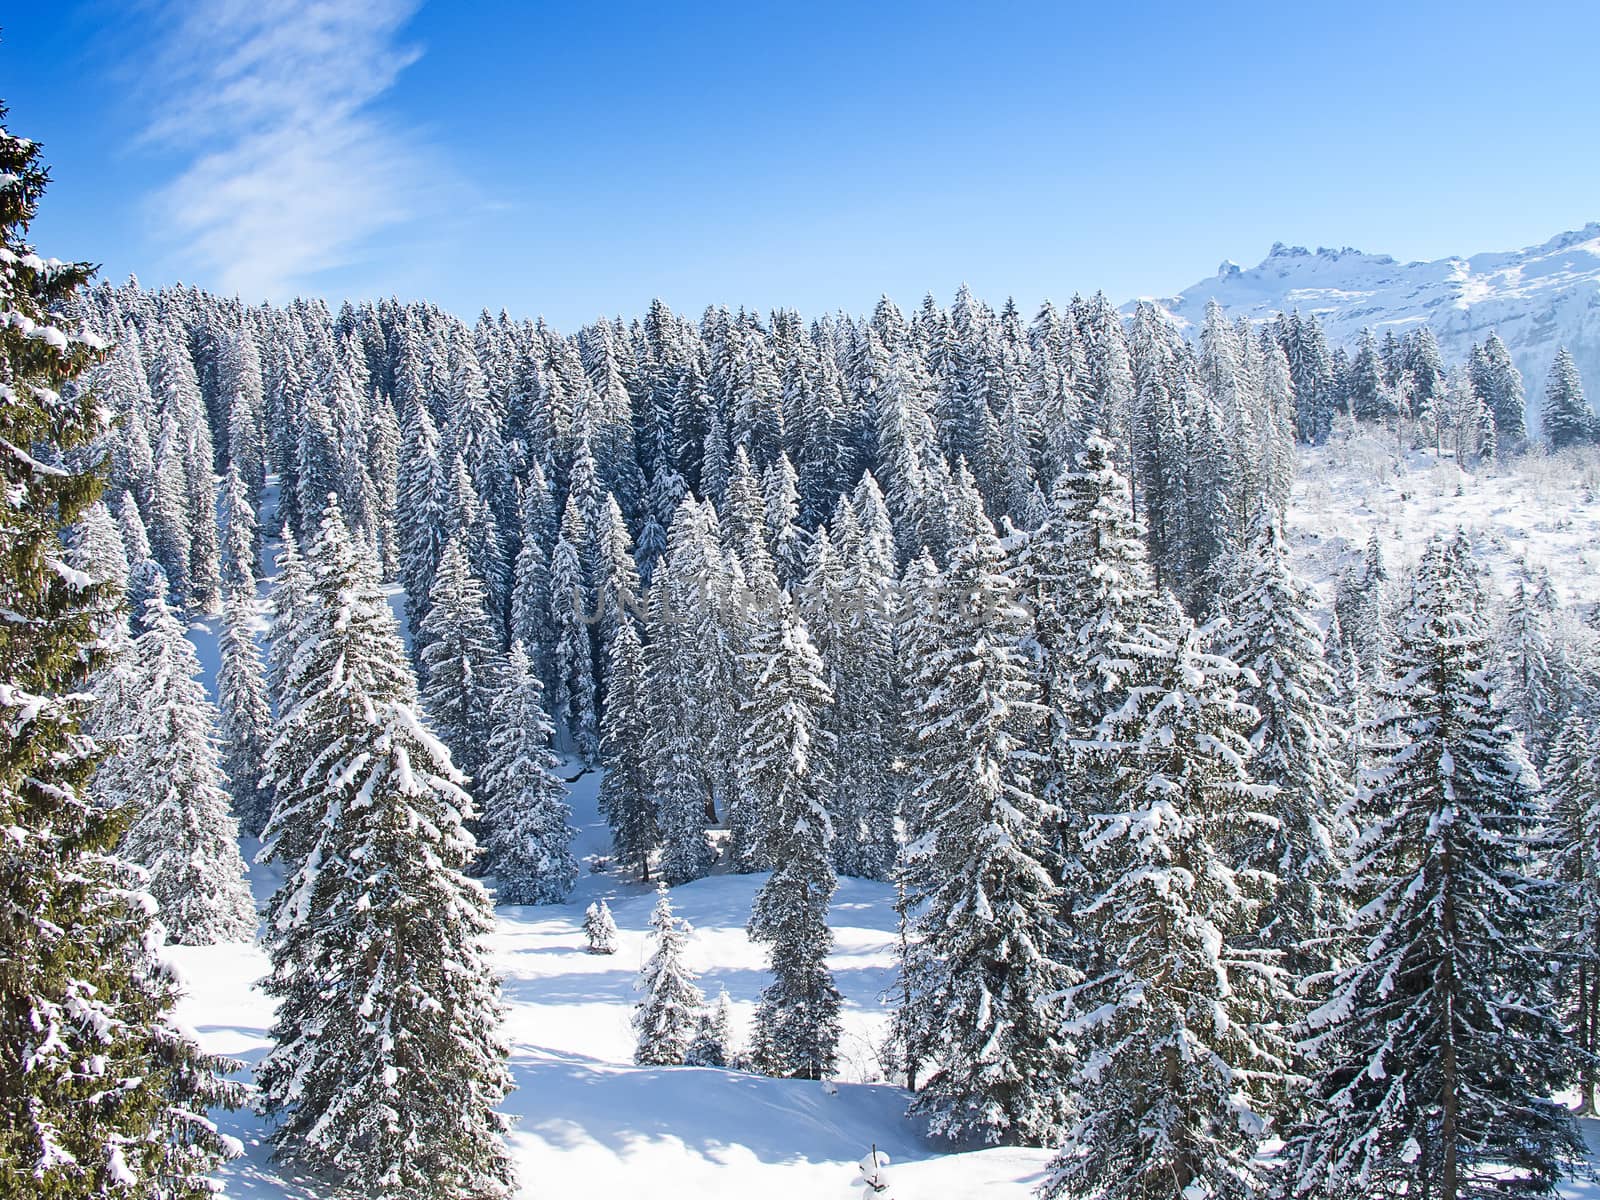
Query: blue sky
[(575, 160)]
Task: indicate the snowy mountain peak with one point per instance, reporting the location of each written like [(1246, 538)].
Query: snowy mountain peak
[(1537, 298), (1325, 253), (1573, 237)]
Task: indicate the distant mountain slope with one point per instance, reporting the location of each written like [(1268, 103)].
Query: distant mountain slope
[(1536, 299)]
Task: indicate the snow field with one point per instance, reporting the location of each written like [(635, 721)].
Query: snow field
[(1544, 509), (585, 1121)]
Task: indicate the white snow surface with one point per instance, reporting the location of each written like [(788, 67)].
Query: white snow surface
[(1536, 299), (586, 1122), (1541, 510)]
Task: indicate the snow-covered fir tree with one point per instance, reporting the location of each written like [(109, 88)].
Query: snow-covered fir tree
[(1362, 605), (784, 767), (713, 1035), (244, 722), (1496, 379), (573, 701), (168, 774), (668, 1012), (527, 841), (1537, 678), (530, 589), (387, 1063), (1438, 1043), (240, 538), (1096, 616), (289, 610), (1568, 419), (145, 576), (1574, 796), (845, 599), (461, 663), (691, 693), (979, 960), (627, 797), (1270, 631), (1181, 1060), (101, 1092), (600, 928), (421, 492), (617, 588)]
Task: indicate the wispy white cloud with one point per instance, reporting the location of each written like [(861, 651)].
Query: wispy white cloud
[(288, 170)]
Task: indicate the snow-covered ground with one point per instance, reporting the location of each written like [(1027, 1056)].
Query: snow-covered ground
[(586, 1122), (1542, 510)]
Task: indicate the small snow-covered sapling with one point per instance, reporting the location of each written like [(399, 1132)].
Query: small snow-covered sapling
[(600, 929), (874, 1178)]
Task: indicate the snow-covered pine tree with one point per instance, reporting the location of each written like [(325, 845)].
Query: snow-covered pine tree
[(713, 1036), (289, 609), (845, 600), (1180, 1059), (669, 1012), (167, 516), (461, 663), (573, 702), (1488, 439), (239, 384), (387, 1064), (1537, 682), (1270, 631), (527, 839), (244, 722), (1496, 379), (914, 1028), (421, 490), (600, 928), (530, 589), (100, 1091), (240, 539), (1362, 606), (1087, 579), (1350, 694), (145, 577), (97, 551), (170, 778), (469, 519), (1568, 419), (617, 589), (1574, 788), (627, 796), (786, 540), (1366, 392), (784, 766), (1439, 1042), (690, 695), (978, 962)]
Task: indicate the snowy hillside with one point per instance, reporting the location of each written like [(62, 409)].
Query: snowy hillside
[(1536, 298), (1544, 511)]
